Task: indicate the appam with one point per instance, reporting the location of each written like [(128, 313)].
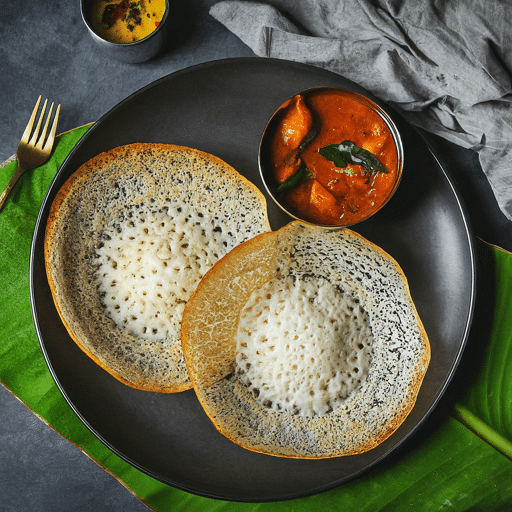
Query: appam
[(128, 237), (305, 343)]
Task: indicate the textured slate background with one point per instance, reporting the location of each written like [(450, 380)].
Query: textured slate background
[(47, 50)]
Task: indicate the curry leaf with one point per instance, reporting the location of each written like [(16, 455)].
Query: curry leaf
[(303, 172), (307, 139), (348, 153), (295, 179), (456, 461)]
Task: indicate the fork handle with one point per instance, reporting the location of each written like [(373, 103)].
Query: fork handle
[(19, 171)]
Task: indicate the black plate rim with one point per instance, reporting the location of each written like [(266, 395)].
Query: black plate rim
[(398, 446)]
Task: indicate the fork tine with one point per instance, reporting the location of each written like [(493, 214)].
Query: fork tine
[(28, 129), (51, 137), (36, 131), (40, 142)]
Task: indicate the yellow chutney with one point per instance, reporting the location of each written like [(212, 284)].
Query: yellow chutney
[(126, 21)]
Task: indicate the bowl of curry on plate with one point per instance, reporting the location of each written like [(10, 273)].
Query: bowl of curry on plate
[(131, 31), (331, 157)]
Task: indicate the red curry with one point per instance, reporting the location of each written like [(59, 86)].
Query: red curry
[(330, 195)]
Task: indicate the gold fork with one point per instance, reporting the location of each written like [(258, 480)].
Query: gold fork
[(31, 152)]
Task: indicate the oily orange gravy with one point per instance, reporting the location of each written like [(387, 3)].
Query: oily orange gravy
[(328, 194)]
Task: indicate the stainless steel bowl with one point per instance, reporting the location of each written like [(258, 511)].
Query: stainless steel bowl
[(138, 51), (264, 156)]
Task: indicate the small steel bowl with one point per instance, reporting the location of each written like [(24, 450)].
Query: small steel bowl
[(136, 52), (265, 165)]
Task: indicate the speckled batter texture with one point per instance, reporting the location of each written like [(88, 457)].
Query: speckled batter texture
[(113, 199), (399, 350), (302, 345)]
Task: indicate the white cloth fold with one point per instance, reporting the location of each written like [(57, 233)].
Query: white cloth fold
[(445, 64)]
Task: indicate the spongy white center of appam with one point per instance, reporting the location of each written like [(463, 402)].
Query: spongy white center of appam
[(151, 263), (302, 345)]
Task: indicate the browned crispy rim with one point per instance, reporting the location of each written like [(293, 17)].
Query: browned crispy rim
[(202, 386), (120, 378), (82, 174)]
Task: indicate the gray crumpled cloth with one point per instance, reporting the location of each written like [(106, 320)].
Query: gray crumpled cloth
[(446, 65)]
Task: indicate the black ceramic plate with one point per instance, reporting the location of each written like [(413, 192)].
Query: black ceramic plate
[(222, 107)]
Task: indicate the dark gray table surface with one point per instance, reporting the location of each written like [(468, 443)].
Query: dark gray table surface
[(46, 50)]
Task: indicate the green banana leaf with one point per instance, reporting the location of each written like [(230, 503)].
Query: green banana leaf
[(486, 406), (461, 459)]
